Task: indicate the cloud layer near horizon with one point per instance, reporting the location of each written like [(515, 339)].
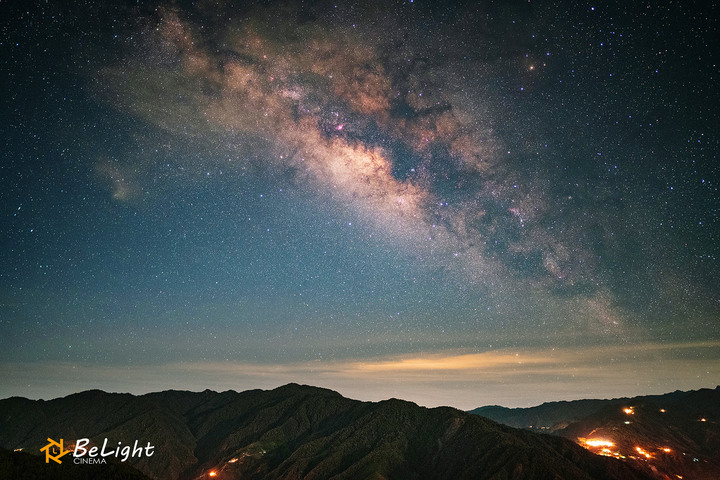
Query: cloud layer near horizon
[(462, 380)]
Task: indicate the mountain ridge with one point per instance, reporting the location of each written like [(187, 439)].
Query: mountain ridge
[(298, 431)]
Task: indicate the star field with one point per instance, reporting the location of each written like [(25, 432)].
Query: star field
[(470, 204)]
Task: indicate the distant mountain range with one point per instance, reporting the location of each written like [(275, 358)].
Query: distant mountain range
[(292, 432), (672, 436)]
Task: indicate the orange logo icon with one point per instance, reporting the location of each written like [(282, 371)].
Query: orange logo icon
[(54, 450)]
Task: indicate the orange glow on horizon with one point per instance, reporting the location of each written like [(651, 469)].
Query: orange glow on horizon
[(629, 410), (212, 473), (449, 362)]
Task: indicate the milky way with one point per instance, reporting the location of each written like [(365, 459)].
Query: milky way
[(455, 205)]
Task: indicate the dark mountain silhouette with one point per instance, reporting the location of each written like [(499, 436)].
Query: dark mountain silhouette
[(296, 432), (676, 435)]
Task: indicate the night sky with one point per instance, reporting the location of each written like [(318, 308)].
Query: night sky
[(483, 203)]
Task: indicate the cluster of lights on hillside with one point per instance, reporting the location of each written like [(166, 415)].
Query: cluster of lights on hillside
[(600, 446), (604, 446), (607, 446)]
